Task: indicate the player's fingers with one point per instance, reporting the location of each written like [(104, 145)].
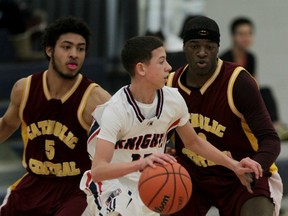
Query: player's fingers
[(171, 158), (248, 187), (249, 179), (253, 165), (170, 151), (246, 180), (163, 159), (257, 169)]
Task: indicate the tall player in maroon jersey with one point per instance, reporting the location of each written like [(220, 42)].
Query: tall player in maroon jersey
[(225, 108), (54, 109)]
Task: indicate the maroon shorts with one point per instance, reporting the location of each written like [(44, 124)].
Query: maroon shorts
[(34, 195), (225, 193)]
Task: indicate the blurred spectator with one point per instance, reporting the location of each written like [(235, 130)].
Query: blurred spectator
[(242, 34), (24, 26)]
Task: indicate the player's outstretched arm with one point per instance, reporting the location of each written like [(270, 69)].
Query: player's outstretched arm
[(10, 121), (208, 151), (103, 169)]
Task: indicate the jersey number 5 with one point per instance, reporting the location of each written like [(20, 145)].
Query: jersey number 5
[(49, 149)]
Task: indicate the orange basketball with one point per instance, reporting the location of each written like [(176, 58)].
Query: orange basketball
[(165, 189)]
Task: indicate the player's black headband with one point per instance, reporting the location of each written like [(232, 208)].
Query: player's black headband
[(201, 34)]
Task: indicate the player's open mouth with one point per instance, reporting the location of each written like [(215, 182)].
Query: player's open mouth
[(72, 66), (201, 64)]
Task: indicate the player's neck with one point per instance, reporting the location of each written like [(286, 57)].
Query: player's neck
[(58, 87), (141, 94)]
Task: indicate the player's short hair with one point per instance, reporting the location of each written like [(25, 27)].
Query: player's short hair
[(238, 22), (138, 49), (62, 26)]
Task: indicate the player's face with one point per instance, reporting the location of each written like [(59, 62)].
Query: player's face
[(158, 68), (243, 36), (68, 55), (201, 55)]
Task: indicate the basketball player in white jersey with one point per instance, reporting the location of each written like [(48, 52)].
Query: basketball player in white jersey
[(135, 127)]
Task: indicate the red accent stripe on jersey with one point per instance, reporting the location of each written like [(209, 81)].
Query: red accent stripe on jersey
[(89, 179), (95, 133), (173, 125), (99, 187)]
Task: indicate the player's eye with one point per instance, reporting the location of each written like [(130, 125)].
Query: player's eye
[(66, 47), (81, 49)]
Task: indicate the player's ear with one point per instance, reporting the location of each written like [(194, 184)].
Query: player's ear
[(140, 68), (49, 51)]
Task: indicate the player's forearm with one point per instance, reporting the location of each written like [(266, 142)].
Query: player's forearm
[(106, 171), (5, 130), (269, 150), (208, 151)]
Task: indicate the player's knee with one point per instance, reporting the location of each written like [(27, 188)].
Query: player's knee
[(258, 206)]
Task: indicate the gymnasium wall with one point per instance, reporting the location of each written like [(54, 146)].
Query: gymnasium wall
[(271, 41)]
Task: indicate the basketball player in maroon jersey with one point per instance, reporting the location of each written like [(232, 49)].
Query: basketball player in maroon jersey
[(226, 108), (54, 109)]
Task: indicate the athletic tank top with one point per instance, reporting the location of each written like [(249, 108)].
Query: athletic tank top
[(53, 131)]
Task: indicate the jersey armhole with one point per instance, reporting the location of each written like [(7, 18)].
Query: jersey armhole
[(25, 95), (230, 98), (83, 105)]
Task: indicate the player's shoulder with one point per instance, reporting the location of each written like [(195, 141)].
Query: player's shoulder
[(98, 94), (113, 106), (170, 91), (118, 101), (20, 84), (172, 94)]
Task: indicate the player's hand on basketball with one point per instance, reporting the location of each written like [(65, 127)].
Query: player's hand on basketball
[(160, 158)]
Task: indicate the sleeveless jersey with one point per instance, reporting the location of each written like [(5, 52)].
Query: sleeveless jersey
[(215, 118), (53, 131)]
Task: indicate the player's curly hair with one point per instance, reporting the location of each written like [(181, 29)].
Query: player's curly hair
[(138, 49), (65, 25)]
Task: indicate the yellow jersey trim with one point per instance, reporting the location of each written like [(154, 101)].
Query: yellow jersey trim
[(83, 105), (25, 95), (252, 139), (207, 83), (66, 96), (213, 77), (170, 79)]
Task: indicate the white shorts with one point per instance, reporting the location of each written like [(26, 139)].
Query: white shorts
[(108, 197), (276, 190)]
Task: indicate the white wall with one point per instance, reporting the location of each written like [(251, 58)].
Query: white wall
[(271, 41)]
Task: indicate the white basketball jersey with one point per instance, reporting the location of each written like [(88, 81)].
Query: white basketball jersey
[(123, 122)]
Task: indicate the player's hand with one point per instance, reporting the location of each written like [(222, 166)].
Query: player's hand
[(170, 151), (251, 166), (248, 169), (247, 180), (160, 158)]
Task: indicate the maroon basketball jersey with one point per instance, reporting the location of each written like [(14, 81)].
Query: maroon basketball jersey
[(215, 118), (53, 130)]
